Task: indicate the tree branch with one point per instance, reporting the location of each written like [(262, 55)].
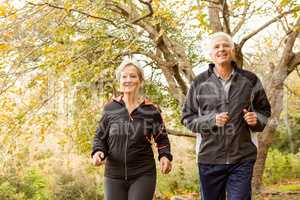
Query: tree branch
[(298, 73), (73, 10), (214, 17), (148, 4), (294, 92), (226, 18), (242, 20), (244, 40), (295, 62), (180, 133), (288, 56)]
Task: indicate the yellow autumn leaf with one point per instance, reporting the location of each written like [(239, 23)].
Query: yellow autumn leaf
[(4, 47), (67, 6), (42, 134), (194, 8), (2, 11)]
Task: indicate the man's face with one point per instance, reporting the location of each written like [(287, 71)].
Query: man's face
[(222, 51)]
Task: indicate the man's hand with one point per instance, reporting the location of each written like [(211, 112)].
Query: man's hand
[(165, 165), (98, 158), (250, 117), (222, 119)]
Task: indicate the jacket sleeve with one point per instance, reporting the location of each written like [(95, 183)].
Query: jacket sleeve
[(192, 118), (100, 138), (261, 106), (161, 139)]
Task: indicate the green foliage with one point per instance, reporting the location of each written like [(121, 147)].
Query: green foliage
[(35, 186), (288, 188), (281, 167), (31, 186), (282, 140), (170, 106), (74, 187), (9, 192), (179, 181)]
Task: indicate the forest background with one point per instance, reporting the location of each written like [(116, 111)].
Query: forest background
[(57, 63)]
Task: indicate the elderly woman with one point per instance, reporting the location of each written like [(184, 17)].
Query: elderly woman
[(123, 140)]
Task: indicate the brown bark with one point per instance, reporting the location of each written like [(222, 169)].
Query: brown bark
[(214, 17), (171, 58), (275, 94), (265, 138)]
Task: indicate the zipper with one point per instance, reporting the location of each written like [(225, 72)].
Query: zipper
[(227, 107), (126, 144)]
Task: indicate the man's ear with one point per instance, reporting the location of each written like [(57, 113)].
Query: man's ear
[(233, 55), (210, 54)]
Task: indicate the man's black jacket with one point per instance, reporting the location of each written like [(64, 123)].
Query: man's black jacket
[(206, 97), (126, 139)]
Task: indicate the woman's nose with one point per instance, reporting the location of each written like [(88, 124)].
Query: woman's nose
[(128, 79)]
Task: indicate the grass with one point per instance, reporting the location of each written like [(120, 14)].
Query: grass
[(285, 188)]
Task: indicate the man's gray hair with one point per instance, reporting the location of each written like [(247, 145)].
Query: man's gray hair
[(220, 35), (126, 62)]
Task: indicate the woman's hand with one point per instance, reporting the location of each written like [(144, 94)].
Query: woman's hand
[(98, 158), (165, 165)]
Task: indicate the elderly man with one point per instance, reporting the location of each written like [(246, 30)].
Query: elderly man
[(224, 105)]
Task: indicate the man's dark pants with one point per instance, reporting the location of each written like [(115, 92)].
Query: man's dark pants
[(233, 179)]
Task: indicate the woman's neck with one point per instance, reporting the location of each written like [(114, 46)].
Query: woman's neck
[(131, 99)]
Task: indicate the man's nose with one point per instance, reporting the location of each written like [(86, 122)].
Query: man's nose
[(221, 48)]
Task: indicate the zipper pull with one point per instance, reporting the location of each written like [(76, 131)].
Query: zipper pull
[(131, 119)]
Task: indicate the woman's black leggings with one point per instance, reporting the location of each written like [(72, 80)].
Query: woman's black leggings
[(140, 188)]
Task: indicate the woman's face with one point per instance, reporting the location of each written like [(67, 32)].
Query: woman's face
[(129, 80)]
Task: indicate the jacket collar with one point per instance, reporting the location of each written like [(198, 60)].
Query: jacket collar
[(236, 68), (119, 99), (233, 64)]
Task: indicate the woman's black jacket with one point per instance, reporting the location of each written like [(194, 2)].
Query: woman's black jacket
[(126, 139)]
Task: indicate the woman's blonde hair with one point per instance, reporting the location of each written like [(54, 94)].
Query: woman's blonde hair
[(127, 62)]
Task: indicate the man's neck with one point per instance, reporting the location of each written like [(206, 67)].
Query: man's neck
[(224, 70)]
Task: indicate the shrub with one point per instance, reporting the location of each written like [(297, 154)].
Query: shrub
[(281, 167), (81, 186), (9, 192), (179, 181), (30, 186)]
